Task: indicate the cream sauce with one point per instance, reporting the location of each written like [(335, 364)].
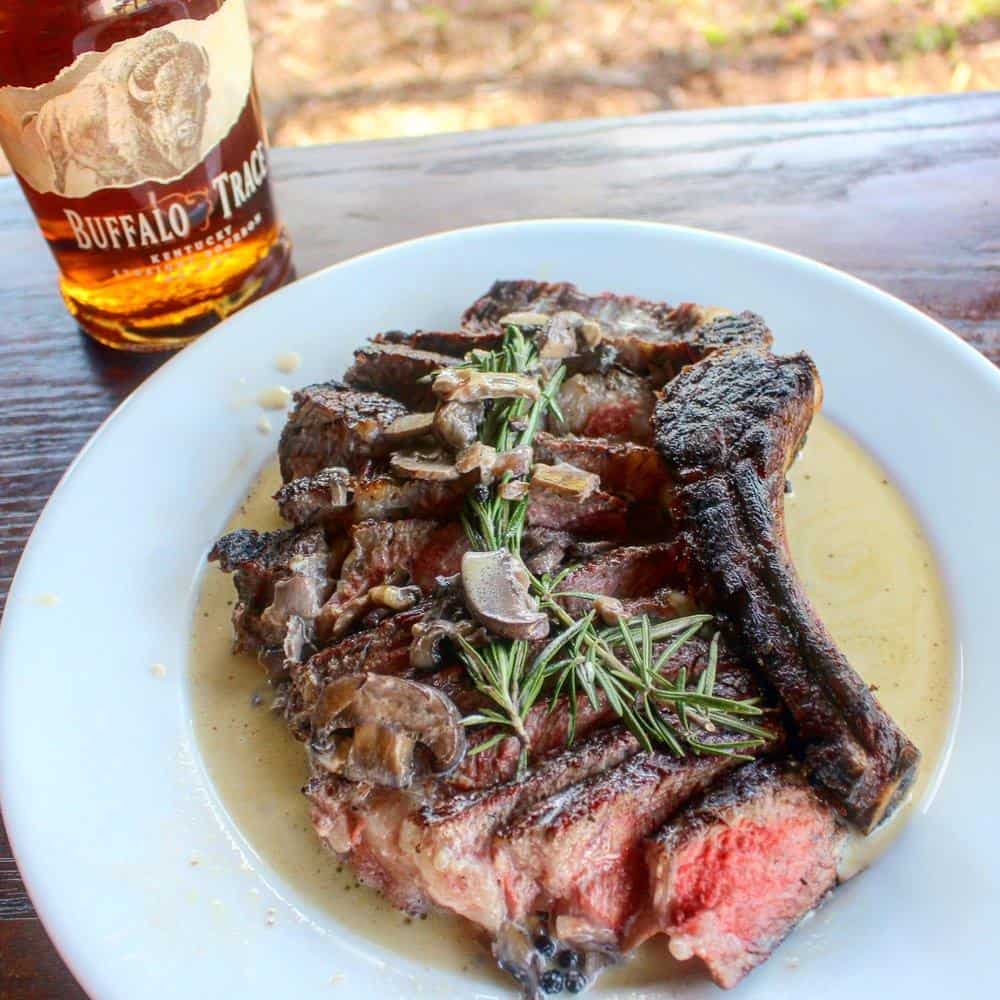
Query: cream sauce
[(277, 397), (865, 565), (288, 362)]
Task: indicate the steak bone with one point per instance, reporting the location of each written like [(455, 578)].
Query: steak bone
[(728, 428)]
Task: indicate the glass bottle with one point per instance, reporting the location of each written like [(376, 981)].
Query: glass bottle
[(135, 131)]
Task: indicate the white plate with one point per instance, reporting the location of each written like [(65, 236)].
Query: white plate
[(104, 795)]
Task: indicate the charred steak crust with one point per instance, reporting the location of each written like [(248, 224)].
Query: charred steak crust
[(728, 428), (457, 343), (278, 575), (332, 425), (397, 370), (652, 338)]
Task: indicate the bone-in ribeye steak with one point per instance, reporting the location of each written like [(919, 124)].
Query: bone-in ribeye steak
[(664, 467)]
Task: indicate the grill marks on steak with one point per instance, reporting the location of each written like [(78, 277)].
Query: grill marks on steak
[(651, 338), (396, 371), (457, 343), (443, 845), (279, 575), (331, 425), (728, 428), (627, 470), (734, 873), (451, 839), (334, 499)]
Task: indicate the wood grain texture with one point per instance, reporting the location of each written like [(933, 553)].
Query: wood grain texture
[(901, 193)]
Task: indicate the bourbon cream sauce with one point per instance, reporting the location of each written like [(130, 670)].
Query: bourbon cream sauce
[(865, 564)]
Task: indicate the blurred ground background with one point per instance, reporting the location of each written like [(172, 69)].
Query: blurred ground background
[(331, 70)]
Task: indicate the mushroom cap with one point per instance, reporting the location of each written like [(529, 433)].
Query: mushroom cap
[(467, 385), (389, 719), (495, 585), (409, 426)]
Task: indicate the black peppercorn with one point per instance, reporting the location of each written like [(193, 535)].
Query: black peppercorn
[(569, 960), (544, 945), (552, 981)]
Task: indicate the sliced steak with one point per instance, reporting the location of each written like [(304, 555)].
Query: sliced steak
[(728, 428), (334, 498), (635, 571), (396, 371), (578, 854), (652, 338), (331, 425), (449, 839), (382, 551), (628, 470), (382, 649), (361, 824), (734, 873), (662, 359), (279, 575), (615, 405), (454, 342), (601, 515), (614, 312)]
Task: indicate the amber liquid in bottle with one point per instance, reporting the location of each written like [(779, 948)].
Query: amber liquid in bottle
[(144, 162)]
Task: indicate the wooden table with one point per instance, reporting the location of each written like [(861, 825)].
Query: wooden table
[(903, 193)]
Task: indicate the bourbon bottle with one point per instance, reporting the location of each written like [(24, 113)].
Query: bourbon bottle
[(135, 131)]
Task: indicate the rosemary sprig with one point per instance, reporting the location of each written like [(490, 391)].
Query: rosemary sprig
[(658, 710), (500, 670), (620, 662)]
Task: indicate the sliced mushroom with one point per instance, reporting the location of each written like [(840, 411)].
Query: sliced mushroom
[(590, 333), (610, 609), (558, 340), (525, 320), (457, 424), (465, 385), (599, 359), (298, 637), (385, 730), (425, 651), (396, 598), (408, 427), (517, 462), (564, 479), (495, 585), (513, 489), (419, 467), (477, 457)]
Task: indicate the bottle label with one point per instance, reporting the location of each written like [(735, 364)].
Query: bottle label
[(150, 108)]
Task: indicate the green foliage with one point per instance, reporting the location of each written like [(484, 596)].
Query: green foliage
[(934, 37), (793, 16), (715, 35)]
